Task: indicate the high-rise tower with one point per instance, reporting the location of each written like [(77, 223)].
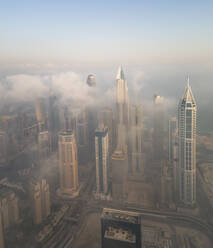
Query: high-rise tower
[(53, 120), (82, 135), (173, 152), (40, 200), (119, 156), (172, 132), (44, 145), (136, 139), (106, 119), (41, 113), (122, 99), (1, 234), (3, 147), (102, 159), (68, 164), (158, 132), (91, 80), (45, 198), (187, 111)]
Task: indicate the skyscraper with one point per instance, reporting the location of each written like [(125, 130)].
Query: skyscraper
[(173, 151), (53, 119), (158, 132), (35, 193), (120, 156), (1, 234), (172, 132), (136, 139), (3, 148), (41, 113), (91, 80), (82, 135), (45, 198), (102, 159), (9, 208), (187, 111), (68, 164), (44, 145), (106, 119), (40, 197), (122, 99)]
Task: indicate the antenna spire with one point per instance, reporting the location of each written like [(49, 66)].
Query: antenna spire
[(188, 81)]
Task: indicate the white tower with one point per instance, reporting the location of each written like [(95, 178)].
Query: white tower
[(187, 111)]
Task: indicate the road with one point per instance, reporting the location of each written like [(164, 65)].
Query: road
[(85, 204)]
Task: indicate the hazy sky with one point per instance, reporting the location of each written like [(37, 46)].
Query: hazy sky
[(159, 42), (105, 31)]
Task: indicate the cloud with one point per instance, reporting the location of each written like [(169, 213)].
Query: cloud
[(72, 88), (69, 86), (23, 88)]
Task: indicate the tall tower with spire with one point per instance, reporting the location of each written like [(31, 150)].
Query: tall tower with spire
[(187, 111), (119, 156), (122, 98)]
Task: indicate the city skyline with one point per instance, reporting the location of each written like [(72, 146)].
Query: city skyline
[(100, 145)]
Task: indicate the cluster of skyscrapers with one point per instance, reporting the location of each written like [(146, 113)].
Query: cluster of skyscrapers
[(114, 142), (117, 141)]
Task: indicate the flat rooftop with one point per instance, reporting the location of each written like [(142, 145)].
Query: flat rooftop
[(120, 234), (121, 215), (66, 132)]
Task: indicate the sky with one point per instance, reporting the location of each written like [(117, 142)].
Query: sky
[(158, 42), (137, 31)]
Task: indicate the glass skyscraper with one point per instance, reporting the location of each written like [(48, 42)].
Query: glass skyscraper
[(187, 111)]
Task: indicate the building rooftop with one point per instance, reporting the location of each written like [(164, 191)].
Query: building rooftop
[(101, 131), (66, 132), (120, 215), (120, 74), (188, 95), (120, 234), (118, 155)]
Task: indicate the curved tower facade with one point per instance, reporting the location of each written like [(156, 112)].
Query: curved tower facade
[(187, 112)]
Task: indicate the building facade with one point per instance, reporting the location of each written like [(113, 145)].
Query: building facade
[(119, 158), (40, 198), (187, 112), (173, 153), (136, 139), (45, 198), (44, 145), (1, 234), (122, 99), (9, 206), (82, 135), (158, 131), (35, 194), (68, 163), (3, 148), (106, 118), (102, 159)]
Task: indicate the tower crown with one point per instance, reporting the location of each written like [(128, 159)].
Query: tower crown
[(120, 74), (188, 95)]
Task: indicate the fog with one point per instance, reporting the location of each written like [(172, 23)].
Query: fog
[(27, 82)]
